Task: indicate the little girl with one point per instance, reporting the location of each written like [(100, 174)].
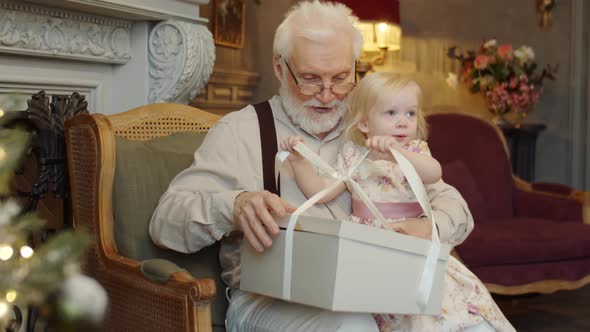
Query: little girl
[(385, 112)]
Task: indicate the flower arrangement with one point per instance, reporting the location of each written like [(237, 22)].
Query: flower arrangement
[(506, 77)]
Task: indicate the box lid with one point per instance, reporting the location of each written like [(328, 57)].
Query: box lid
[(365, 233)]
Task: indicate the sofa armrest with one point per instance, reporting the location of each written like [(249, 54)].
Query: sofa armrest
[(544, 205), (554, 188)]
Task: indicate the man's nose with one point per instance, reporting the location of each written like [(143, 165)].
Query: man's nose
[(326, 95)]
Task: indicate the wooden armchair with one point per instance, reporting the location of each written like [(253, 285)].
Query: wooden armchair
[(114, 195)]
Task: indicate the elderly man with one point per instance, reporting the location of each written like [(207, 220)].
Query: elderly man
[(222, 195)]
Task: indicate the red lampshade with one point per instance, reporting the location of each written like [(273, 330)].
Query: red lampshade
[(375, 10)]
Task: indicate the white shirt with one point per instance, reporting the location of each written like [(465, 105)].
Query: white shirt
[(197, 208)]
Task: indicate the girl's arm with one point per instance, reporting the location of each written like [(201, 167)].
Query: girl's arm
[(306, 177), (426, 166)]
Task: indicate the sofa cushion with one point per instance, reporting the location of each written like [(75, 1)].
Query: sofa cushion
[(520, 274), (537, 204), (525, 240), (144, 169), (458, 175)]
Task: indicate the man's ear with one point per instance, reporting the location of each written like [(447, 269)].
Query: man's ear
[(277, 67), (363, 126)]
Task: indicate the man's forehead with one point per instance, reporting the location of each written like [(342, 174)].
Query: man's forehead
[(315, 56)]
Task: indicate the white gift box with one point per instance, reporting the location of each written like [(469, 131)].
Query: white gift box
[(343, 266)]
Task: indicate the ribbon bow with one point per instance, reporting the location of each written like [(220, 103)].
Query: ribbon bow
[(427, 277)]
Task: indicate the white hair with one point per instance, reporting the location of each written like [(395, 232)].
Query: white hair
[(317, 21)]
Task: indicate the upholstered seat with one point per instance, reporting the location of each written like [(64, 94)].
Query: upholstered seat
[(119, 167), (525, 239)]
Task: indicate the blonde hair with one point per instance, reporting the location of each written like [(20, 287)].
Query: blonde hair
[(317, 21), (366, 95)]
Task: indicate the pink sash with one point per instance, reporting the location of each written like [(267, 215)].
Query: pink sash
[(389, 210)]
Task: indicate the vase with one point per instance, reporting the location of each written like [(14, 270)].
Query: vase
[(509, 119), (500, 120)]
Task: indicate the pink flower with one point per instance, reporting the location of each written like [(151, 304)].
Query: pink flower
[(513, 83), (379, 320), (505, 52), (385, 183), (481, 61), (415, 148), (535, 97), (466, 73), (472, 308), (498, 99)]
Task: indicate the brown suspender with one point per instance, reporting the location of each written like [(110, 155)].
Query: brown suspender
[(268, 145)]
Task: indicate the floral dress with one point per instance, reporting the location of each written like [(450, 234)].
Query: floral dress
[(466, 301)]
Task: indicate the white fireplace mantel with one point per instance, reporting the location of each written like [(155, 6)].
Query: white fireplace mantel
[(160, 10), (120, 54)]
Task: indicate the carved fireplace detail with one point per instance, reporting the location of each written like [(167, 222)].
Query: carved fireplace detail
[(109, 50)]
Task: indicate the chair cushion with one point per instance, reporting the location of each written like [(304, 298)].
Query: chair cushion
[(458, 175), (525, 240), (144, 169)]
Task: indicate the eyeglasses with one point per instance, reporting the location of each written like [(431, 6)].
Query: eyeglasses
[(315, 89)]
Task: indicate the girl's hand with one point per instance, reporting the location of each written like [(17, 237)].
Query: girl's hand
[(289, 143), (381, 144), (418, 227)]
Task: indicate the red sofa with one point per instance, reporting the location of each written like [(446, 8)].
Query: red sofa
[(527, 238)]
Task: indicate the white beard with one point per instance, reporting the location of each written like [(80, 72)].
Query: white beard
[(309, 120)]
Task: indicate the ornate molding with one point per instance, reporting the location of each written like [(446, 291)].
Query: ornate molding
[(150, 10), (41, 31), (181, 57)]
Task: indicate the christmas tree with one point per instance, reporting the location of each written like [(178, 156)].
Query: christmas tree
[(28, 275)]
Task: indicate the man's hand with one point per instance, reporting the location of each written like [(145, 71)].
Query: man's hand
[(421, 227), (253, 214)]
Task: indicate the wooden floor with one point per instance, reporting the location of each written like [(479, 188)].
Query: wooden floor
[(561, 311)]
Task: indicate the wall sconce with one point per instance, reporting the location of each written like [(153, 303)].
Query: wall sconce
[(544, 9), (379, 37), (379, 24)]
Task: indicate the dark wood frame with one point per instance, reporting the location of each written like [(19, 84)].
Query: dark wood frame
[(219, 29)]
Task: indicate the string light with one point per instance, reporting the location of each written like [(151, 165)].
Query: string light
[(2, 153), (6, 252), (3, 308), (1, 112), (11, 296), (26, 251)]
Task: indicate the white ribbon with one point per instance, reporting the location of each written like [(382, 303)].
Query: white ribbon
[(417, 186), (427, 278)]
